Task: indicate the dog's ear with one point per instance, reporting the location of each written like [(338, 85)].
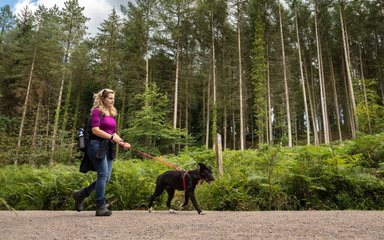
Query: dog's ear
[(201, 165)]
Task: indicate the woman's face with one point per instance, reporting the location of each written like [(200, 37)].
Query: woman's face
[(109, 100)]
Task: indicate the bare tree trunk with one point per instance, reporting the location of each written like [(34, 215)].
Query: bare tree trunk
[(225, 128), (36, 127), (48, 126), (57, 117), (176, 86), (335, 100), (321, 81), (364, 88), (66, 109), (351, 94), (75, 120), (208, 112), (214, 105), (312, 102), (147, 50), (186, 121), (302, 81), (285, 82), (240, 79), (26, 102), (348, 115), (269, 112), (233, 130), (58, 106)]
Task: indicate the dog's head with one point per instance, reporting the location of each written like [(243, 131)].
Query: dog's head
[(206, 173)]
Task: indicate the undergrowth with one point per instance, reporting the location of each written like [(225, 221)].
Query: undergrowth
[(346, 175)]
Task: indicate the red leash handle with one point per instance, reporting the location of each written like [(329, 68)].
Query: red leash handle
[(157, 159)]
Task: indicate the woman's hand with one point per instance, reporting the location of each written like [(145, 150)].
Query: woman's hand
[(116, 138), (125, 145)]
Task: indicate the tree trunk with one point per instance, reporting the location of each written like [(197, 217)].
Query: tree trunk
[(36, 127), (214, 105), (269, 112), (208, 112), (75, 120), (225, 127), (321, 81), (335, 100), (240, 79), (354, 124), (176, 86), (302, 81), (187, 106), (26, 102), (348, 116), (58, 106), (147, 50), (48, 125), (312, 102), (285, 82), (66, 109), (233, 131), (57, 117), (364, 88)]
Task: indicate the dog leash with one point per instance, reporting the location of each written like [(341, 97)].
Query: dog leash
[(157, 159)]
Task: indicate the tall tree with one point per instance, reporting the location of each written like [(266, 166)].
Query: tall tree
[(238, 26), (173, 14), (7, 20), (134, 47), (73, 27), (323, 97), (259, 75), (302, 77), (351, 94), (288, 112), (108, 51), (24, 41)]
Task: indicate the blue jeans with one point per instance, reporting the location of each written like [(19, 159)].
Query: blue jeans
[(104, 171)]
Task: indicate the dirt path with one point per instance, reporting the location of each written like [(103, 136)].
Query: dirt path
[(44, 225)]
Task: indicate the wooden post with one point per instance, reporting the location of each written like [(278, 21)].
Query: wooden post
[(219, 155)]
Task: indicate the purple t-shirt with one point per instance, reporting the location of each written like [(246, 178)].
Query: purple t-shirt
[(108, 124)]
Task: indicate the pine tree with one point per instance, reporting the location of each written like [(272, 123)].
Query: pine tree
[(7, 21), (259, 76), (73, 27), (108, 52)]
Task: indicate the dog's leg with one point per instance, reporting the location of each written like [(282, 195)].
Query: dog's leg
[(158, 191), (186, 200), (171, 193), (193, 199)]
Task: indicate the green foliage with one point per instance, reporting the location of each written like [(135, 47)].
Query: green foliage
[(369, 109), (259, 76), (150, 129), (337, 176), (133, 183), (370, 147), (47, 188)]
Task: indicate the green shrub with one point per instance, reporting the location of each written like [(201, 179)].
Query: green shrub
[(346, 175)]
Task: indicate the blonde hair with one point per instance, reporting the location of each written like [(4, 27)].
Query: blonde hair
[(98, 102)]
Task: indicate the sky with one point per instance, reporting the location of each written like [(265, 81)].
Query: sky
[(96, 10)]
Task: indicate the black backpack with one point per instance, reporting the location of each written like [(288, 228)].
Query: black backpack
[(85, 134)]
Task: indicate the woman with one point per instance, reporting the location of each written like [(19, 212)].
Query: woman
[(100, 149)]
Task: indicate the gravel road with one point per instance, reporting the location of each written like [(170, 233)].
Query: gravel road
[(44, 225)]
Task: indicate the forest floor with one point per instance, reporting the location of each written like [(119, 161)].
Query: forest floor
[(44, 225)]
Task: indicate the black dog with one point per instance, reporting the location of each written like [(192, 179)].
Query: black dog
[(181, 180)]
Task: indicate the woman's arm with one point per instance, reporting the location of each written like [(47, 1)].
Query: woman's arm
[(114, 137)]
